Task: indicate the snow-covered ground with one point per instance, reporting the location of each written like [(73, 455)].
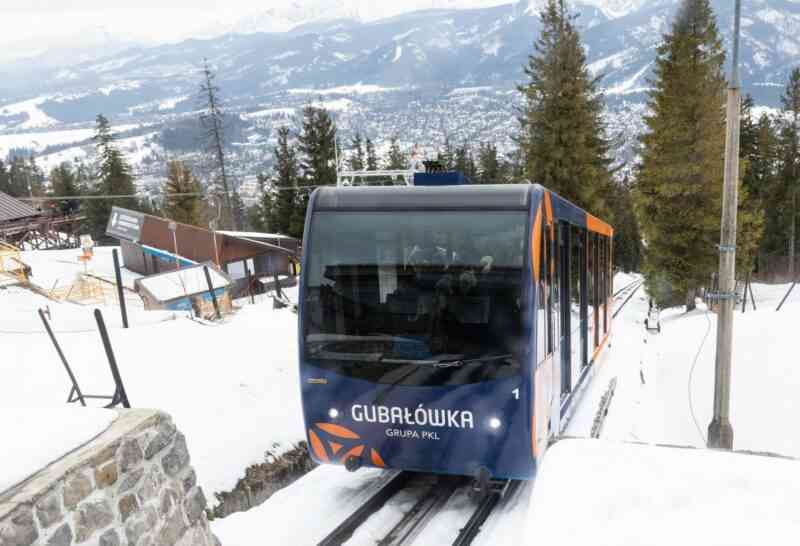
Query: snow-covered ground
[(656, 411), (58, 433), (609, 493), (231, 387)]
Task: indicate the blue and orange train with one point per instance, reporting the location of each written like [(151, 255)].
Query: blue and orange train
[(448, 329)]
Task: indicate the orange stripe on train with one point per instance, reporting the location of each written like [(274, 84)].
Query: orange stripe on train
[(376, 459), (355, 452), (338, 431), (316, 445)]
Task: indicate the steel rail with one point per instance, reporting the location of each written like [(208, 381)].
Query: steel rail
[(345, 530), (482, 513)]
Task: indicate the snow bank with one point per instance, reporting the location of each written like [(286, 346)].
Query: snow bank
[(175, 284), (603, 493), (37, 437)]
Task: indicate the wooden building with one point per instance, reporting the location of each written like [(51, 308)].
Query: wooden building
[(153, 245), (23, 225)]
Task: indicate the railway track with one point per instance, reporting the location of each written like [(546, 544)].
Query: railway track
[(434, 491), (625, 294)]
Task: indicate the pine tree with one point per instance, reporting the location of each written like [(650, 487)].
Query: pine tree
[(679, 188), (357, 162), (262, 214), (763, 182), (489, 166), (627, 239), (113, 178), (396, 159), (562, 134), (286, 174), (372, 157), (5, 181), (186, 209), (63, 181), (789, 173), (750, 214), (318, 159), (465, 162), (212, 119), (446, 154)]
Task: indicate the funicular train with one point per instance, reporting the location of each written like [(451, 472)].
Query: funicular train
[(447, 329)]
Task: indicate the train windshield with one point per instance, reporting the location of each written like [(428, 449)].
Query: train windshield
[(416, 298)]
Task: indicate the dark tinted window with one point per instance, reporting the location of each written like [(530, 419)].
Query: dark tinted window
[(421, 298)]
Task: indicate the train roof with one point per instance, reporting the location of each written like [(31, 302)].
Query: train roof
[(500, 196)]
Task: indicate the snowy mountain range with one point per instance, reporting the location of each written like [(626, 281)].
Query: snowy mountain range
[(450, 67)]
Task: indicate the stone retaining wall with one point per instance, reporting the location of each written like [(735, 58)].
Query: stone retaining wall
[(131, 486)]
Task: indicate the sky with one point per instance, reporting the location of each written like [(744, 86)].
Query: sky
[(36, 25)]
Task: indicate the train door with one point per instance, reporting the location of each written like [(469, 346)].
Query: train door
[(545, 375), (582, 259), (562, 264), (594, 289)]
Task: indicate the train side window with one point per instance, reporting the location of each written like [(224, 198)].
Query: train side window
[(555, 286), (541, 304), (548, 275)]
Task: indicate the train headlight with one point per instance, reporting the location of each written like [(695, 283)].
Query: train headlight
[(333, 413), (495, 423)]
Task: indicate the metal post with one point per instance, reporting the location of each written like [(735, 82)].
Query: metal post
[(720, 431), (120, 396), (211, 291), (250, 284), (120, 291), (75, 388)]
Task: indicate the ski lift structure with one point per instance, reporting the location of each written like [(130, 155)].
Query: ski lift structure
[(433, 173)]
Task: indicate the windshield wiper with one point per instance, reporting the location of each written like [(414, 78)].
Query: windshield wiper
[(448, 363)]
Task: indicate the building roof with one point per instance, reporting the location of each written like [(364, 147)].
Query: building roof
[(14, 209), (256, 235), (185, 282)]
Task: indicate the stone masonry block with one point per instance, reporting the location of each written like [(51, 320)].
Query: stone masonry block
[(20, 529), (128, 505), (109, 538), (62, 536), (48, 510), (129, 456), (162, 439), (90, 518), (178, 457), (106, 476), (77, 488)]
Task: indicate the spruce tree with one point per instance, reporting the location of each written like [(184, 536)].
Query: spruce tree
[(357, 160), (465, 162), (316, 143), (627, 239), (186, 209), (113, 178), (5, 185), (372, 157), (285, 176), (679, 188), (789, 173), (262, 215), (63, 181), (763, 181), (750, 214), (396, 159), (562, 134), (490, 169), (446, 154)]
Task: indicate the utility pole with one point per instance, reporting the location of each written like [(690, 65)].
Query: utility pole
[(720, 431)]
